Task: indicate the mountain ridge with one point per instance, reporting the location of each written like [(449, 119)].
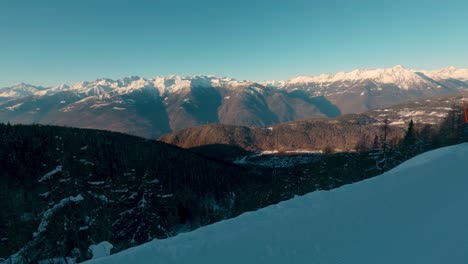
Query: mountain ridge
[(356, 74), (152, 107)]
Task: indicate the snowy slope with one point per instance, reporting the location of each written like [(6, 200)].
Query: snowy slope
[(398, 75), (20, 90), (448, 73), (415, 213)]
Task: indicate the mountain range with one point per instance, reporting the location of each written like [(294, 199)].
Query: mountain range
[(152, 107)]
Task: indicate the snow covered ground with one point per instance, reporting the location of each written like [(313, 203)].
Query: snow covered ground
[(415, 213), (275, 159)]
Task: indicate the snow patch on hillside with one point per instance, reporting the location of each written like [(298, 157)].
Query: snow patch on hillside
[(14, 107)]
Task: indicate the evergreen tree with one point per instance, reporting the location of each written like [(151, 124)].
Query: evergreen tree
[(409, 138)]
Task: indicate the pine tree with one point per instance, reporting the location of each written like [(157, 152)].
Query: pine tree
[(409, 138), (410, 146)]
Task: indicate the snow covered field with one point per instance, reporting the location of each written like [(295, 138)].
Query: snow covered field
[(415, 213)]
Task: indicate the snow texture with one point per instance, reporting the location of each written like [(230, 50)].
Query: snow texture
[(402, 77), (415, 213), (273, 158), (57, 261), (50, 212), (101, 250), (50, 174)]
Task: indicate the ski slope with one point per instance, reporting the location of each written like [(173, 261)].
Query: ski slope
[(415, 213)]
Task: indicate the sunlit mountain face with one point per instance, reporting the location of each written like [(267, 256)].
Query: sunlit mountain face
[(152, 107)]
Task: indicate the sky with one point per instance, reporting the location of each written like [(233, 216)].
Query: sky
[(52, 42)]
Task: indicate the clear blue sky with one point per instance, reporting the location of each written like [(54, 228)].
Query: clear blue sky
[(51, 42)]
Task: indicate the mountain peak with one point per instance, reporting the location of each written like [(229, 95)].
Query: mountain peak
[(450, 72), (20, 90)]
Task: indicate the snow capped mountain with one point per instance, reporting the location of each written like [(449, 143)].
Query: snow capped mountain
[(152, 107), (272, 84), (448, 73), (361, 90), (174, 83), (20, 90), (186, 101), (102, 86), (398, 75), (407, 215), (165, 85)]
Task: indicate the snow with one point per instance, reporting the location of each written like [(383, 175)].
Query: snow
[(164, 195), (96, 182), (153, 181), (14, 107), (304, 151), (58, 260), (447, 73), (20, 90), (101, 250), (51, 173), (85, 162), (398, 75), (178, 84), (269, 152), (272, 84), (398, 123), (289, 159), (120, 190), (46, 215), (99, 105), (44, 195), (415, 213)]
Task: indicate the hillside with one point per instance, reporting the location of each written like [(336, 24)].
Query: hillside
[(340, 134), (408, 215), (64, 189), (343, 133)]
